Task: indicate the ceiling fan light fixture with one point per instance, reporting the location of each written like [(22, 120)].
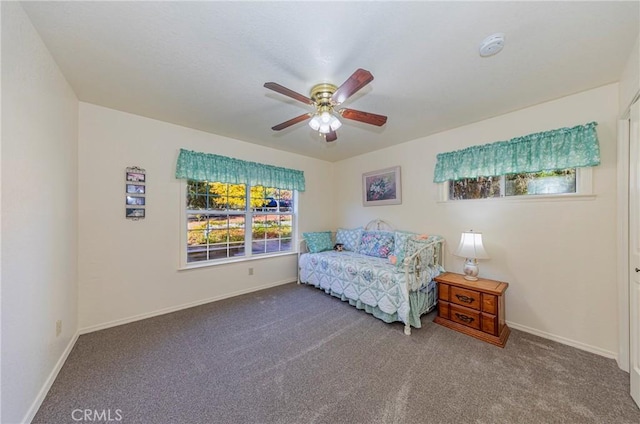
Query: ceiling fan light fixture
[(335, 123), (314, 123), (325, 117), (324, 121), (324, 129)]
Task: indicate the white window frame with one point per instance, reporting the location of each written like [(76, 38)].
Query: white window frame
[(248, 214), (584, 191)]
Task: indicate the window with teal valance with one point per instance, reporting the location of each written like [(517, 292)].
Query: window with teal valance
[(214, 168), (563, 148)]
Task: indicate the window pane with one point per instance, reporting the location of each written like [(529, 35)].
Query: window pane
[(194, 187), (474, 188), (237, 199), (286, 200), (285, 225), (218, 251), (196, 253), (236, 228), (196, 238), (236, 249), (214, 236), (549, 182), (258, 227), (271, 233), (237, 203), (225, 228), (257, 247), (222, 196), (271, 199), (216, 202), (195, 201), (272, 246), (196, 226), (286, 244)]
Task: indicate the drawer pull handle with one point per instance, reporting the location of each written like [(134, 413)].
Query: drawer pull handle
[(465, 318), (465, 299)]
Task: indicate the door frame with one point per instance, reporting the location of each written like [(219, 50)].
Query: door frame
[(623, 241), (624, 314)]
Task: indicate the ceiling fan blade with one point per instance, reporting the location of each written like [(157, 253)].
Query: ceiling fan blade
[(284, 90), (356, 81), (366, 117), (291, 122), (331, 136)]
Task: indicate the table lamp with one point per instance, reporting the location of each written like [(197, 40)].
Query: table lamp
[(471, 248)]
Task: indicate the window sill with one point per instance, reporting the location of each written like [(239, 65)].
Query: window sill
[(530, 198), (197, 265)]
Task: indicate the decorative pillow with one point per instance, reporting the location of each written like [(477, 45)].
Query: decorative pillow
[(318, 241), (376, 243), (400, 246), (349, 238)]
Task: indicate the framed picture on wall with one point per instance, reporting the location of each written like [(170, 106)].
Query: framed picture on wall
[(136, 200), (382, 187), (135, 213), (136, 177), (135, 189)]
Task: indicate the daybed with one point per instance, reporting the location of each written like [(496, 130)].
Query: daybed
[(387, 273)]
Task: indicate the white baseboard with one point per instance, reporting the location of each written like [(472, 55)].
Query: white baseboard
[(31, 413), (170, 309), (563, 340)]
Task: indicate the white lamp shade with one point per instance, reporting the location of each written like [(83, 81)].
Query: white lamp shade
[(335, 123), (325, 117), (314, 123), (471, 246)]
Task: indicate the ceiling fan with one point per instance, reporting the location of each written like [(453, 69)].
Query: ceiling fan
[(325, 97)]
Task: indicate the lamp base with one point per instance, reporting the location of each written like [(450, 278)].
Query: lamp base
[(471, 269)]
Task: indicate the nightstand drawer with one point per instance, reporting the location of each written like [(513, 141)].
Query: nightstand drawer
[(443, 292), (465, 316), (443, 309), (464, 297), (489, 303), (490, 324)]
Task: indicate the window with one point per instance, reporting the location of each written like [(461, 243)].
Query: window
[(219, 216), (513, 166), (524, 184)]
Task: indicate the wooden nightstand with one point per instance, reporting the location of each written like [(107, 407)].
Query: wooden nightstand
[(475, 308)]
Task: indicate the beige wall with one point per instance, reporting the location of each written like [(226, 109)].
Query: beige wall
[(558, 256), (630, 78), (129, 269), (39, 216)]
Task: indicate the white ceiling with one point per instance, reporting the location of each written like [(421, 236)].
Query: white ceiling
[(203, 64)]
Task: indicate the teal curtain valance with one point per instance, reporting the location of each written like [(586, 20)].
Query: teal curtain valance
[(545, 151), (209, 167)]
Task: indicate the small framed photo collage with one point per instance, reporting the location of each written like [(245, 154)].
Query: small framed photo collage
[(136, 191)]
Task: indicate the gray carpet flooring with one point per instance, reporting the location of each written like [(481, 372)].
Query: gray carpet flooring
[(292, 354)]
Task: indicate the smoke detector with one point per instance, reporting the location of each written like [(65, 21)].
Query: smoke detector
[(491, 45)]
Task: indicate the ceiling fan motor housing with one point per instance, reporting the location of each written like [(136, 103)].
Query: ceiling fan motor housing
[(321, 94)]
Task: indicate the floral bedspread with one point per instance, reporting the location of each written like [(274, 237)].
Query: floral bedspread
[(370, 280)]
